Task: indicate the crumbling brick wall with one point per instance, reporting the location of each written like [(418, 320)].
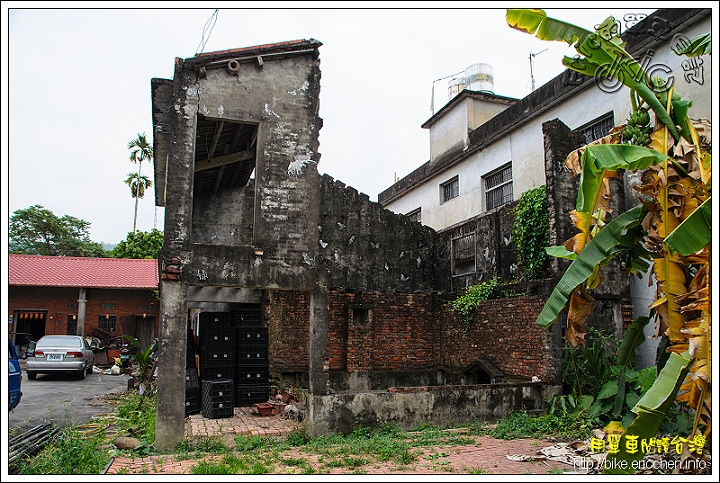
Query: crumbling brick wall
[(389, 335)]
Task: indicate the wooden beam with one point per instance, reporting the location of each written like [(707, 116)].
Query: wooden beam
[(216, 137), (225, 159)]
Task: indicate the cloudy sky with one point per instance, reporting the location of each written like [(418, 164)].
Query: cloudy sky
[(76, 86)]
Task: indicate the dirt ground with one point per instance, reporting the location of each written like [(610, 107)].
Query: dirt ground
[(488, 456)]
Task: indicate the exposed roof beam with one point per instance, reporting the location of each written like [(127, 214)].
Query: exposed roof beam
[(225, 159)]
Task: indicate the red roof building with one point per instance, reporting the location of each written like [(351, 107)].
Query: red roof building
[(82, 295)]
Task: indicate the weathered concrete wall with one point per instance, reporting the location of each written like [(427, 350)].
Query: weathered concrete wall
[(226, 217), (366, 247), (494, 248), (410, 407)]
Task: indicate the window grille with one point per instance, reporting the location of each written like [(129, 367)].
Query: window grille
[(450, 189), (598, 128), (415, 215), (498, 187), (107, 322), (463, 254)]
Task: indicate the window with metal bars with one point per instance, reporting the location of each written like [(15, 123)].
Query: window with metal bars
[(107, 322), (463, 254), (498, 187), (599, 128), (415, 215), (450, 189)]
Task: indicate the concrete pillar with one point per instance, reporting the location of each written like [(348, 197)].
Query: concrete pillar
[(82, 301), (176, 252), (170, 407), (319, 334)]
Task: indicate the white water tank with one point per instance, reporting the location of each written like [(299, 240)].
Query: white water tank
[(479, 77), (455, 87)]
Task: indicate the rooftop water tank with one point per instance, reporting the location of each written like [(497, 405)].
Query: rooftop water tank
[(455, 86), (479, 77)]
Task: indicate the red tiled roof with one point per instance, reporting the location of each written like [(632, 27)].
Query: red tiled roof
[(47, 271)]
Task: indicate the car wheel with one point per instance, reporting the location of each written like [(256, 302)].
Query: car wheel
[(32, 375), (89, 369), (81, 374)]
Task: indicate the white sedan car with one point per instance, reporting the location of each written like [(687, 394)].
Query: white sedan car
[(61, 353)]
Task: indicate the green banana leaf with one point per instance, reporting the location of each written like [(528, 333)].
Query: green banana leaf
[(537, 22), (651, 410), (694, 233), (633, 337), (559, 251), (599, 158), (617, 236)]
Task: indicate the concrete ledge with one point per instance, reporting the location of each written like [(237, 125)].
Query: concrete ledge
[(410, 407)]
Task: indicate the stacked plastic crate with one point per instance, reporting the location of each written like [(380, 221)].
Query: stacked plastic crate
[(217, 363), (252, 364), (192, 383)]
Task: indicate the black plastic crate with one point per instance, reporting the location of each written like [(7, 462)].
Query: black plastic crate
[(252, 336), (251, 394), (218, 337), (252, 377), (191, 378), (217, 373), (218, 398), (217, 356), (213, 319), (248, 315), (251, 356), (193, 403)]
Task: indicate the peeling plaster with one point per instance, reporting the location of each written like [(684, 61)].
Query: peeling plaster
[(295, 168), (269, 112), (305, 86), (307, 259)]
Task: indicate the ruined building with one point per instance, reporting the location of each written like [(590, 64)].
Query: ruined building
[(350, 298)]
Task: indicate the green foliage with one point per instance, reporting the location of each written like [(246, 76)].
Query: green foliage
[(38, 231), (139, 245), (530, 231), (466, 303), (587, 368), (144, 360), (522, 425), (74, 452), (69, 453)]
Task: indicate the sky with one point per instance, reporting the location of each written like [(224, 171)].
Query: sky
[(76, 86)]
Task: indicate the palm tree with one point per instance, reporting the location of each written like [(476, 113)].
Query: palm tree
[(140, 151)]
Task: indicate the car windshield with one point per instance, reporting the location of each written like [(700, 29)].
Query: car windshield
[(58, 341)]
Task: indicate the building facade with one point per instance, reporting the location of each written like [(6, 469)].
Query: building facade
[(50, 295)]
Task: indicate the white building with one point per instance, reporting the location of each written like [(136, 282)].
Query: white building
[(486, 150)]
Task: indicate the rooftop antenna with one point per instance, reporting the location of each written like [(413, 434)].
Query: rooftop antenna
[(532, 76), (432, 95)]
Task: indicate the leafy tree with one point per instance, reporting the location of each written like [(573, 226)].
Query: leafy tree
[(141, 151), (667, 236), (38, 231), (139, 244)]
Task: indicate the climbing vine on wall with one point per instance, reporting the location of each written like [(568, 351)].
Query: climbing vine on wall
[(530, 232)]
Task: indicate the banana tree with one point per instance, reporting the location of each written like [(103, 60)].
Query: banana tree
[(667, 235)]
